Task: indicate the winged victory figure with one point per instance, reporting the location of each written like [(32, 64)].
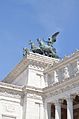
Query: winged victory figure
[(52, 39)]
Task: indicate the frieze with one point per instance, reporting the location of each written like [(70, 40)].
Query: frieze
[(64, 62), (36, 67), (34, 96), (71, 86), (10, 108), (9, 93)]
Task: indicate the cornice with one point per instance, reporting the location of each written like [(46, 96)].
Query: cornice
[(62, 86), (33, 93), (13, 91), (30, 89), (19, 68), (31, 59), (9, 90), (16, 88), (37, 58), (10, 86)]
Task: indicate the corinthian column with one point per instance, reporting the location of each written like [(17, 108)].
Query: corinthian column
[(58, 110), (47, 110), (69, 108)]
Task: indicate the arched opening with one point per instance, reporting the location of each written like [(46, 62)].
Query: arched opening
[(64, 109)]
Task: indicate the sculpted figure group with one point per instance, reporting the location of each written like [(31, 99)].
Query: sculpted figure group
[(44, 47)]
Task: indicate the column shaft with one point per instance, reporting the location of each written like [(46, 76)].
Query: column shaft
[(69, 108), (58, 110), (47, 111)]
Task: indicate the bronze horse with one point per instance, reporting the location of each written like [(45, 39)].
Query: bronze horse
[(47, 50), (34, 48), (45, 47)]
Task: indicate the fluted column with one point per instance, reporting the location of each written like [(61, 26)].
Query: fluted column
[(24, 106), (69, 108), (47, 110), (42, 111), (58, 110)]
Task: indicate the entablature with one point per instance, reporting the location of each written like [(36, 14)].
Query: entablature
[(64, 69), (62, 89)]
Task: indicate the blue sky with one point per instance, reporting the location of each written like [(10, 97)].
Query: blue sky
[(24, 20)]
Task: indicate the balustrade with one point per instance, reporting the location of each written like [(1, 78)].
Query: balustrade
[(68, 71)]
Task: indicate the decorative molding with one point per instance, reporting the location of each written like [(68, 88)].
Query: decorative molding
[(9, 93), (10, 108), (64, 62), (31, 59), (63, 87), (34, 96), (9, 90), (44, 64)]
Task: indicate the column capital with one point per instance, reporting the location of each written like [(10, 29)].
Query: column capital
[(59, 101), (70, 97), (77, 93)]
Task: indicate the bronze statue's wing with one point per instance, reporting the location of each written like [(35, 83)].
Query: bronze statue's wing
[(55, 35), (53, 38)]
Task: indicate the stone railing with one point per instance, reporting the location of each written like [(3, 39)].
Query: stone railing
[(66, 68), (67, 71)]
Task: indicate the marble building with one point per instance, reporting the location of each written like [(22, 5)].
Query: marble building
[(40, 87)]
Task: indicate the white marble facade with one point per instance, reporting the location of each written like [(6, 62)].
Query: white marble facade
[(40, 84)]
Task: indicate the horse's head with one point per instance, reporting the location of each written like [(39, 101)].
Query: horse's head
[(32, 45), (30, 42), (40, 41)]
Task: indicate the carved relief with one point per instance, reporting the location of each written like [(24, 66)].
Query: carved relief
[(10, 108), (7, 117), (34, 96), (9, 93), (63, 89)]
